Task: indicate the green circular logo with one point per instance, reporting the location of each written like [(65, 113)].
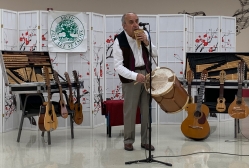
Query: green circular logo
[(67, 32)]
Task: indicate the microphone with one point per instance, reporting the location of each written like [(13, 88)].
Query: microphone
[(142, 24)]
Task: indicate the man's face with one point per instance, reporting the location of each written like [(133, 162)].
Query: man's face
[(131, 24)]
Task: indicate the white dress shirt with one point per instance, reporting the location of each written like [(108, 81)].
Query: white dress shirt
[(118, 57)]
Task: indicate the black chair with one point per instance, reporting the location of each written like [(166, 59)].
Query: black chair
[(30, 106)]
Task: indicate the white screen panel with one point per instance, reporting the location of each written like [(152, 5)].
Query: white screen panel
[(43, 31), (28, 31), (228, 34), (9, 30), (98, 66), (207, 33)]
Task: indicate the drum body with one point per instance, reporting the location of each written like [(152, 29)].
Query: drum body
[(166, 90)]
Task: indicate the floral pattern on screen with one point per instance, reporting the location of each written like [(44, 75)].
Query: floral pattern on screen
[(225, 41), (44, 39), (7, 45), (10, 105), (181, 62), (205, 40), (54, 61), (28, 39), (84, 91), (98, 70), (116, 89)]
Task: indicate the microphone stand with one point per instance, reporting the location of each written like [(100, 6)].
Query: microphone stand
[(150, 158)]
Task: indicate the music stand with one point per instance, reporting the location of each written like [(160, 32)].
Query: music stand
[(150, 158)]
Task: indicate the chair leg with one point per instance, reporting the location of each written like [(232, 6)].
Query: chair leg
[(71, 124), (110, 131), (107, 126), (49, 138), (20, 128)]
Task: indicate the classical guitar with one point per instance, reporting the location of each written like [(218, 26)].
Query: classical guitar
[(221, 106), (196, 126), (50, 121), (63, 108), (78, 115), (238, 108), (71, 102), (190, 76)]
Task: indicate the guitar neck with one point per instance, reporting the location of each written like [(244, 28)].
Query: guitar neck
[(189, 89), (49, 97), (78, 93), (221, 91), (200, 95), (60, 89), (70, 90), (239, 92)]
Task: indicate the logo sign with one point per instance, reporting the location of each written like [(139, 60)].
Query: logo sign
[(67, 32)]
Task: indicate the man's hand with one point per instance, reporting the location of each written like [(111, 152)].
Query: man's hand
[(142, 37), (140, 78)]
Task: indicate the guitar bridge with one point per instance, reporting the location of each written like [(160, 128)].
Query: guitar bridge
[(195, 127)]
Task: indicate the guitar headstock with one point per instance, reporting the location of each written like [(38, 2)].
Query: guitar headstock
[(204, 75), (56, 77), (241, 71), (222, 76), (47, 80), (67, 78), (75, 75), (190, 76)]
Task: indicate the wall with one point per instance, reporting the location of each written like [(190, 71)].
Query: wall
[(210, 7)]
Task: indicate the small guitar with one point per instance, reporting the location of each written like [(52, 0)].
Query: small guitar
[(50, 121), (238, 108), (190, 76), (78, 115), (63, 108), (221, 106), (71, 102), (196, 126)]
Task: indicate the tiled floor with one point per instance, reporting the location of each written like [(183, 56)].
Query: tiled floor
[(91, 148)]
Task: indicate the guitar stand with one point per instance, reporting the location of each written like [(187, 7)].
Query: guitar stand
[(236, 127), (49, 137), (236, 130)]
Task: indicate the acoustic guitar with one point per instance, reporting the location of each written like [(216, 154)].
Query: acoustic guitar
[(190, 76), (63, 108), (238, 108), (78, 115), (50, 121), (196, 126), (70, 99), (221, 106)]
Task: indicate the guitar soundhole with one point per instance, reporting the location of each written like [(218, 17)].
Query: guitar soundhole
[(238, 102), (197, 114), (221, 101), (50, 112)]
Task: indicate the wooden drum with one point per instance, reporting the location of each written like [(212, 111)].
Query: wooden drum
[(166, 90)]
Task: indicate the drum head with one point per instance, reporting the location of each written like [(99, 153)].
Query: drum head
[(162, 81)]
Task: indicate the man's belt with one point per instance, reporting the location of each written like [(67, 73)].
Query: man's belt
[(140, 68)]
